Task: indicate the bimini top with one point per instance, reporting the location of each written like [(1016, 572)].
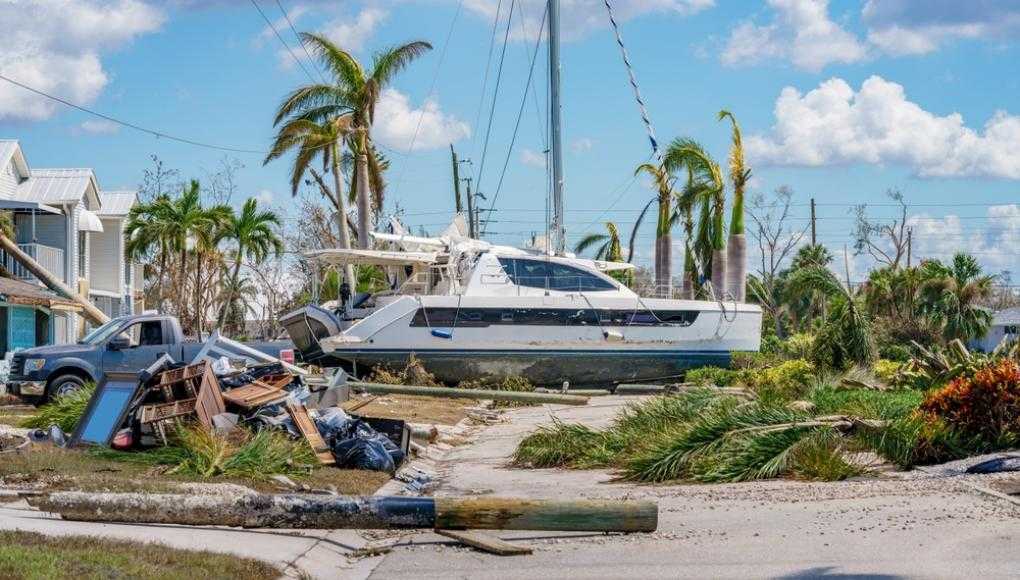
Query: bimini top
[(355, 257)]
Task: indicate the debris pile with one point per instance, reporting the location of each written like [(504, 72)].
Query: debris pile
[(136, 411)]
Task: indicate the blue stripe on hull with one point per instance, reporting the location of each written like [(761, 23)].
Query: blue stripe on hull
[(543, 367)]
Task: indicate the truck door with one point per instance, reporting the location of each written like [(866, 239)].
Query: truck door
[(147, 340)]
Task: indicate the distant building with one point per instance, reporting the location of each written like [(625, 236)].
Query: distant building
[(1005, 327)]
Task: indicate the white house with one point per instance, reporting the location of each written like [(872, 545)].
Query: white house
[(1005, 327), (61, 222)]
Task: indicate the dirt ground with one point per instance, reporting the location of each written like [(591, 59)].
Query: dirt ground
[(415, 409)]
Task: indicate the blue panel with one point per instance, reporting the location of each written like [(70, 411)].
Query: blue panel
[(106, 412), (22, 327)]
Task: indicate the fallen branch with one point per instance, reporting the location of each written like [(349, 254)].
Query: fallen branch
[(339, 512)]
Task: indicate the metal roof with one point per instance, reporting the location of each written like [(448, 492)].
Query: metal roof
[(55, 185), (7, 149), (116, 203), (1007, 316)]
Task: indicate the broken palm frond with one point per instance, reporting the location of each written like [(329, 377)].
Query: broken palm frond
[(64, 411), (338, 512), (413, 373), (201, 452), (935, 367)]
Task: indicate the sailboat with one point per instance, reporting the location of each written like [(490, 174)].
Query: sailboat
[(469, 309)]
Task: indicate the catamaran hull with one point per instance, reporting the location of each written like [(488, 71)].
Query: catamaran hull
[(546, 368)]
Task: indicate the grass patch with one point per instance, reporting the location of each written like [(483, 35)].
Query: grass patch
[(64, 411), (830, 400), (35, 556), (513, 384)]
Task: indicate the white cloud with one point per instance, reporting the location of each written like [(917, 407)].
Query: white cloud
[(580, 17), (833, 125), (56, 46), (99, 127), (993, 243), (902, 27), (396, 124), (533, 158), (801, 32), (265, 197), (581, 145), (351, 34)]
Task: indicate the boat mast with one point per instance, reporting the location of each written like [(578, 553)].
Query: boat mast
[(559, 233)]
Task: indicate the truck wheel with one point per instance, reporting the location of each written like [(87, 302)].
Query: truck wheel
[(64, 385)]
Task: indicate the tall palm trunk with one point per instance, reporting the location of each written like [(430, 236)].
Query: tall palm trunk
[(663, 250), (719, 251), (233, 287), (690, 265), (341, 216), (199, 316), (364, 203), (736, 268)]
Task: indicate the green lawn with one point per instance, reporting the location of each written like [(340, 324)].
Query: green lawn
[(33, 556)]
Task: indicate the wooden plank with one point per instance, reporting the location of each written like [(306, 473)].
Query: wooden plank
[(485, 542), (210, 398), (162, 411), (254, 395), (310, 432), (361, 403), (523, 397)]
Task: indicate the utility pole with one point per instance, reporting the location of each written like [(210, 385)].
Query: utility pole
[(846, 267), (471, 209), (814, 237), (910, 236), (456, 180), (555, 111)]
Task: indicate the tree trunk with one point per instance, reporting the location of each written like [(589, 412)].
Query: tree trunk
[(341, 217), (364, 203), (233, 287), (199, 315), (719, 274), (736, 267), (687, 291), (95, 315)]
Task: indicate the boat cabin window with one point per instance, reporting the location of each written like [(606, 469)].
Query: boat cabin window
[(552, 276)]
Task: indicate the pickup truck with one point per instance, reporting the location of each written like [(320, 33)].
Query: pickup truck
[(124, 344)]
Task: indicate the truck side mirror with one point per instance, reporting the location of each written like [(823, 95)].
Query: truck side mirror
[(119, 343)]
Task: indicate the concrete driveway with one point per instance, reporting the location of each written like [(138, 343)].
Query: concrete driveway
[(910, 526)]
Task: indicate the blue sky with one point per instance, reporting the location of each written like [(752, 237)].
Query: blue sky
[(840, 100)]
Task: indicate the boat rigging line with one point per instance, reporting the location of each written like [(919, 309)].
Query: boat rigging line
[(517, 123), (633, 80), (495, 94)]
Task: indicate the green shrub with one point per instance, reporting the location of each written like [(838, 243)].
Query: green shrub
[(822, 458), (798, 345), (712, 376), (64, 411), (886, 405), (786, 380), (887, 370)]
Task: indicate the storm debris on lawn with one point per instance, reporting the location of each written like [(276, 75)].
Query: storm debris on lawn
[(231, 408)]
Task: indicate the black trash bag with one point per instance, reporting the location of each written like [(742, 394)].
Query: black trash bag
[(333, 423), (340, 431), (362, 453)]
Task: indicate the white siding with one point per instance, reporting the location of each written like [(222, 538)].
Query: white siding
[(50, 230), (9, 180), (105, 258)]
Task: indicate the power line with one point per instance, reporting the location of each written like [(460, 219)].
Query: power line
[(485, 78), (156, 133), (282, 41), (300, 41)]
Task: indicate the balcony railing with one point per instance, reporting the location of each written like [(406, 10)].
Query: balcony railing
[(50, 258)]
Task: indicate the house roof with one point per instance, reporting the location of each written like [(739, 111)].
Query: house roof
[(56, 185), (116, 203), (1007, 316), (18, 292), (10, 148)]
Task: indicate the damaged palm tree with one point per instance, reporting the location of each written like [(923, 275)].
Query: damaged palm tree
[(256, 510)]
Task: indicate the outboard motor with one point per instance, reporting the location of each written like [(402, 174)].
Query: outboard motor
[(307, 326)]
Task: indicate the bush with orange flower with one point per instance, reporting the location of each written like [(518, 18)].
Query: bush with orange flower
[(985, 404)]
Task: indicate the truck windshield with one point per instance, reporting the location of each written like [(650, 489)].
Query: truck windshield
[(102, 333)]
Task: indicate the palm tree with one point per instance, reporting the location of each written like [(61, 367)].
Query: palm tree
[(952, 296), (736, 273), (353, 91), (252, 231), (608, 244), (663, 238), (235, 298), (148, 233), (846, 336), (687, 153), (686, 199), (312, 139)]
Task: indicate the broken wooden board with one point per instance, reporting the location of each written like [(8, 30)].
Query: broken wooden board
[(310, 432), (184, 378), (210, 398), (254, 395), (485, 542), (163, 411)]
